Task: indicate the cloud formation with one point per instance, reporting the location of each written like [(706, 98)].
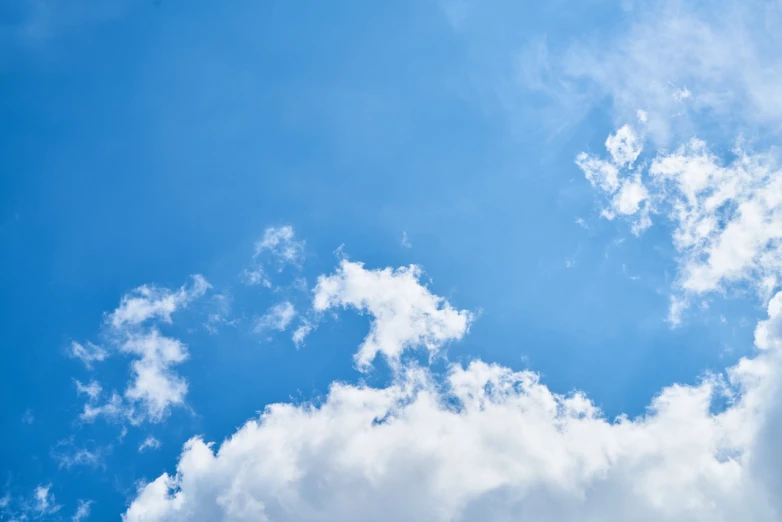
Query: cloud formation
[(405, 314), (726, 214), (154, 387), (82, 511), (492, 444), (278, 246), (87, 353), (679, 61), (278, 317)]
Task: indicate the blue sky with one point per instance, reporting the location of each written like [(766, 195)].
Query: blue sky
[(216, 174)]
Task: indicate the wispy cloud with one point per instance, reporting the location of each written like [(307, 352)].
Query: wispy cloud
[(82, 511), (150, 443), (87, 353), (277, 318)]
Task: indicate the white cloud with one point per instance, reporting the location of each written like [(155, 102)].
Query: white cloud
[(155, 387), (82, 511), (256, 276), (300, 333), (150, 302), (150, 443), (624, 146), (277, 318), (113, 409), (44, 502), (406, 241), (280, 241), (617, 178), (727, 215), (67, 455), (278, 245), (405, 314), (727, 54), (87, 353), (40, 505), (92, 389), (491, 444)]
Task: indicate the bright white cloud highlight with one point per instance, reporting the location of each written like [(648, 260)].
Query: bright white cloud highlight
[(727, 214), (405, 314), (148, 302), (491, 444), (154, 387), (618, 180)]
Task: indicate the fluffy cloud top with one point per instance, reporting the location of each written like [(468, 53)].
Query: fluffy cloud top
[(154, 387), (281, 243), (492, 444), (617, 178), (148, 302), (727, 215), (405, 314)]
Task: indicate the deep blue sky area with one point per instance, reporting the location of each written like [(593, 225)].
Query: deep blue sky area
[(143, 142)]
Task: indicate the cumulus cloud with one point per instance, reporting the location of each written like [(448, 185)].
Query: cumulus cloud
[(147, 302), (493, 444), (677, 60), (154, 387), (405, 314), (726, 214), (618, 180)]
